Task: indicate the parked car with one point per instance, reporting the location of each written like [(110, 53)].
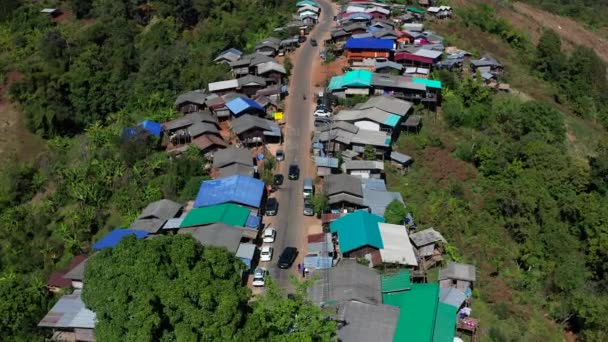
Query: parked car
[(322, 113), (278, 179), (266, 253), (308, 209), (269, 235), (280, 155), (301, 39), (313, 42), (259, 276), (272, 206), (294, 172), (287, 257)]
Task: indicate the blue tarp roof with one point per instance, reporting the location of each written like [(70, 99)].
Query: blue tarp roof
[(253, 221), (241, 104), (115, 236), (151, 127), (369, 43), (235, 189)]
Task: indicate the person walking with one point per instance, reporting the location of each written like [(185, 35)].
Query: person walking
[(299, 268)]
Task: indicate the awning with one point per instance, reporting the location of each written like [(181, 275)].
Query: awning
[(357, 91)]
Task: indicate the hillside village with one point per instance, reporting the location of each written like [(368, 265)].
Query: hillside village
[(302, 140)]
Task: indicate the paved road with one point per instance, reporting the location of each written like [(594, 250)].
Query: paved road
[(290, 222)]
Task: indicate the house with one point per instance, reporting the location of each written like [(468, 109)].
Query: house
[(388, 67), (223, 87), (246, 252), (397, 248), (370, 47), (308, 8), (242, 105), (320, 252), (386, 33), (227, 56), (377, 12), (452, 296), (191, 101), (209, 144), (487, 64), (250, 84), (363, 168), (422, 317), (218, 235), (113, 238), (70, 319), (339, 35), (356, 82), (238, 189), (326, 165), (460, 276), (247, 64), (363, 322), (373, 119), (232, 156), (154, 216), (400, 160), (51, 12), (383, 23), (376, 197), (268, 46), (76, 274), (57, 280), (289, 44), (271, 70), (440, 12), (347, 281), (227, 213), (428, 245), (413, 122), (253, 130), (345, 136), (344, 192), (411, 59), (355, 28), (404, 88), (388, 104)]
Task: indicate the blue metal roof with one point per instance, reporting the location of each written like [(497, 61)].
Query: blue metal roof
[(115, 236), (253, 221), (240, 104), (151, 127), (235, 189), (369, 44)]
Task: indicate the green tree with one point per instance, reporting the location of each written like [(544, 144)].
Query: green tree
[(168, 288), (319, 202), (549, 59), (288, 65), (369, 153), (395, 212), (22, 302)]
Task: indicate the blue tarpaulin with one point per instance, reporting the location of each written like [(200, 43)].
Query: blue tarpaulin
[(240, 104), (237, 189), (369, 44), (115, 236), (253, 221), (151, 127)]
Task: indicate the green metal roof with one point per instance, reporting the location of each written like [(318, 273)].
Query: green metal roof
[(428, 83), (418, 309), (227, 213), (357, 230), (387, 141), (445, 323), (396, 282), (307, 2), (392, 120), (415, 10), (336, 82), (358, 78)]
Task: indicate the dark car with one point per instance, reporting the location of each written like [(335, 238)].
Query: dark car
[(294, 172), (272, 206), (280, 155), (301, 39), (287, 257), (308, 209), (313, 42), (278, 179)]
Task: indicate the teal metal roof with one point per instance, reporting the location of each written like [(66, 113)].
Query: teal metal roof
[(357, 230), (428, 83), (337, 82), (306, 2), (418, 312), (358, 78), (396, 282), (387, 141), (445, 323), (392, 120)]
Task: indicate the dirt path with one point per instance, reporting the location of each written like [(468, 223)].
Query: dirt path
[(532, 20)]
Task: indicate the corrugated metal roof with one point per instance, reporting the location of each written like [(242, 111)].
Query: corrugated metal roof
[(336, 82), (232, 155), (223, 85), (378, 200), (227, 213), (115, 236), (445, 323), (174, 223), (365, 322), (452, 296), (457, 271), (370, 43), (418, 311), (162, 209), (394, 282), (428, 53), (397, 246), (151, 226), (357, 78), (346, 281), (400, 157), (217, 234), (335, 184), (326, 162), (388, 104), (236, 189), (426, 236), (69, 312), (357, 230), (240, 104), (428, 83), (246, 250)]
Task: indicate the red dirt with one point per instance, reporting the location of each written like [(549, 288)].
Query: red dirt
[(64, 16)]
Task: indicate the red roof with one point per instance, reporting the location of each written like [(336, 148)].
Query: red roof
[(327, 218), (312, 238), (207, 140), (57, 280), (404, 56)]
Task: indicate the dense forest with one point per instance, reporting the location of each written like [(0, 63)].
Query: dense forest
[(84, 76)]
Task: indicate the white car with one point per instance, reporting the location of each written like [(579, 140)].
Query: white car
[(266, 253), (269, 235), (322, 113), (259, 276)]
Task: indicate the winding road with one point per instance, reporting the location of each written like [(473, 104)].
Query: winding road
[(291, 224)]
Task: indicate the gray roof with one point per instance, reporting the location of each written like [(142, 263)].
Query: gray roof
[(457, 271), (383, 33), (426, 237), (354, 26), (77, 273), (343, 197), (363, 322), (362, 165), (232, 155), (374, 138), (231, 55), (223, 85), (400, 157), (271, 66), (389, 64), (163, 209), (251, 60), (270, 42), (216, 234), (236, 169), (412, 120), (152, 225), (174, 223), (290, 41), (202, 116), (452, 296), (374, 114), (246, 122), (194, 96), (485, 61), (392, 81), (200, 128), (339, 33), (346, 281), (178, 123), (336, 184), (69, 312), (378, 200), (326, 162), (251, 80), (345, 126), (246, 250)]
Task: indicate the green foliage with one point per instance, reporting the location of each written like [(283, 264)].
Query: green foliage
[(22, 302), (319, 202), (369, 153), (288, 65), (485, 17), (549, 60), (395, 212)]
